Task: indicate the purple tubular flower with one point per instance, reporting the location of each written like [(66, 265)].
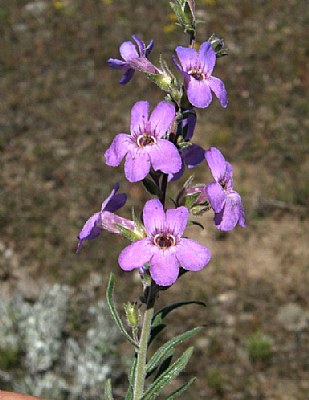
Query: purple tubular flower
[(225, 202), (105, 219), (133, 59), (164, 248), (145, 147), (197, 68)]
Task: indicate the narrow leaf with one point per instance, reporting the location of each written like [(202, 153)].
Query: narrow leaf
[(160, 354), (155, 331), (172, 372), (113, 311), (165, 364), (129, 395), (158, 317), (196, 223), (108, 390), (181, 389), (151, 187)]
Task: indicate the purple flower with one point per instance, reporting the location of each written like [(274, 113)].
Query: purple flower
[(145, 148), (191, 156), (133, 59), (105, 219), (225, 202), (164, 247), (197, 68)]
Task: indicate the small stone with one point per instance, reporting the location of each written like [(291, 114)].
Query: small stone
[(293, 317)]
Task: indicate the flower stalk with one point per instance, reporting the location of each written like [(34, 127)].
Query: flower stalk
[(140, 374)]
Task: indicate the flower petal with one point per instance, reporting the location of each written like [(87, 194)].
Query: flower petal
[(176, 220), (117, 64), (161, 118), (128, 51), (127, 76), (199, 93), (140, 44), (164, 267), (231, 214), (216, 196), (192, 255), (136, 255), (208, 57), (137, 165), (165, 157), (216, 163), (121, 144), (153, 216), (193, 155), (116, 202), (217, 86), (139, 117), (188, 125), (177, 175), (90, 230), (188, 57)]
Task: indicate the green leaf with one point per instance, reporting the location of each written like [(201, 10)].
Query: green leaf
[(155, 331), (196, 223), (164, 351), (129, 395), (181, 389), (152, 187), (165, 364), (113, 311), (108, 390), (161, 314), (168, 375)]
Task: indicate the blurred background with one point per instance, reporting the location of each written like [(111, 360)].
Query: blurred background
[(60, 108)]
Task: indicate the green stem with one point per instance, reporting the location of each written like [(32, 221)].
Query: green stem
[(140, 373)]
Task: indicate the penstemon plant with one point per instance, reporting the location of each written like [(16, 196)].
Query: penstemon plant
[(157, 152)]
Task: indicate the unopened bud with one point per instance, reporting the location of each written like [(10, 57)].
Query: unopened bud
[(132, 314)]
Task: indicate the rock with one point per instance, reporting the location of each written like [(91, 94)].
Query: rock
[(293, 317)]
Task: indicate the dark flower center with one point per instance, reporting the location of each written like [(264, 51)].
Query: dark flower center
[(197, 74), (164, 240), (145, 140), (223, 184)]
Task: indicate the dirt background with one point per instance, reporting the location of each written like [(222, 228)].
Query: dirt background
[(60, 108)]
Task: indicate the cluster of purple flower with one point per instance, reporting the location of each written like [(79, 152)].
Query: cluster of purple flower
[(155, 146)]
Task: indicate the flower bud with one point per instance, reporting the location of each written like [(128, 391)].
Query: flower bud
[(132, 314), (218, 46)]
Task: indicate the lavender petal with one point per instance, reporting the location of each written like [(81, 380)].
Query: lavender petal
[(164, 267), (176, 220), (216, 163), (217, 86), (153, 216), (127, 76), (117, 64), (188, 57), (199, 93), (137, 165), (136, 255), (193, 155), (207, 57), (128, 51), (139, 117), (192, 255), (231, 214), (161, 118), (216, 196), (165, 157), (121, 144)]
